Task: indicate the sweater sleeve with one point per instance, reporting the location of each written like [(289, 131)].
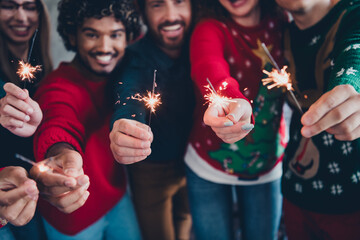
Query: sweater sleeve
[(128, 82), (61, 120), (347, 53), (207, 59)]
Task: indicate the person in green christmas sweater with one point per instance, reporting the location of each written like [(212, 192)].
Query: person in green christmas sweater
[(321, 181)]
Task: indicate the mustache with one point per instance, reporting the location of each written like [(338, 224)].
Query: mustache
[(167, 23)]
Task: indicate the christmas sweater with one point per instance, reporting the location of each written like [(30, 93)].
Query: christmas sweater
[(322, 174), (227, 52), (77, 111)]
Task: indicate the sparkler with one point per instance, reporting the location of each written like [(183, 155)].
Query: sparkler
[(212, 97), (43, 167), (279, 78), (26, 71), (151, 100)]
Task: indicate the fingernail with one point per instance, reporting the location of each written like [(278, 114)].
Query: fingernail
[(30, 111), (86, 195), (247, 127), (27, 118), (70, 172), (69, 183), (83, 181), (31, 190), (228, 123), (34, 197), (231, 117), (145, 144)]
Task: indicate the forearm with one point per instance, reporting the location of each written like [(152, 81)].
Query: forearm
[(58, 148)]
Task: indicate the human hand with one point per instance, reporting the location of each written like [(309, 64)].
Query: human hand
[(18, 196), (130, 141), (230, 125), (336, 112), (18, 112), (65, 187)]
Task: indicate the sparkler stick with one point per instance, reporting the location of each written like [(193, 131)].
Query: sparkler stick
[(152, 100), (43, 167), (26, 71), (279, 78), (214, 98)]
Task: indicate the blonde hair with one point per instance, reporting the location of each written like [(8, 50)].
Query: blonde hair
[(41, 44)]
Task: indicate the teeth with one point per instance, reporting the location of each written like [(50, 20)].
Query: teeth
[(21, 29), (172, 27), (106, 58)]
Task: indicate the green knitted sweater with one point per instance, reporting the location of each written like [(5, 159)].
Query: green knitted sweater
[(322, 174)]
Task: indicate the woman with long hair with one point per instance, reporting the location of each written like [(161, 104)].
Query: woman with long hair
[(24, 36), (241, 142)]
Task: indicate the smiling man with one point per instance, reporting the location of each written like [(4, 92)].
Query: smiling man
[(75, 127), (158, 183)]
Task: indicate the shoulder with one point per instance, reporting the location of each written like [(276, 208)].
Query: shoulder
[(210, 25)]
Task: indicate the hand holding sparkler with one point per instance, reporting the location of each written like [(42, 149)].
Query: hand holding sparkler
[(130, 141), (228, 118), (66, 186), (335, 112), (18, 196), (18, 112)]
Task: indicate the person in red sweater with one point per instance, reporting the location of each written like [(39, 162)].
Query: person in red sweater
[(226, 48), (73, 137)]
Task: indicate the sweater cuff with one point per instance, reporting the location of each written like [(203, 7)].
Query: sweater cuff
[(48, 138)]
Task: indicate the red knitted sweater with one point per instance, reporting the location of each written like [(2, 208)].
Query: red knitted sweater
[(76, 111)]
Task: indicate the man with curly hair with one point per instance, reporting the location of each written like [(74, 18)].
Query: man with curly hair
[(156, 172), (73, 137)]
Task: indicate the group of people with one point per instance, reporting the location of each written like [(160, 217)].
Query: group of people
[(116, 170)]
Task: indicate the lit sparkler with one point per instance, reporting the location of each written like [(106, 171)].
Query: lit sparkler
[(212, 97), (279, 78), (151, 100), (26, 71), (43, 167)]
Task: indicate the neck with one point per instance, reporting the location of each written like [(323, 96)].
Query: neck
[(309, 17), (20, 51), (78, 65)]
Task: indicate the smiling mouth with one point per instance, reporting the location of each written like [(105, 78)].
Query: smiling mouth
[(170, 28), (103, 58)]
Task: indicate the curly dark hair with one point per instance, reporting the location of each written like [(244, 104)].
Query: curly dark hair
[(72, 14)]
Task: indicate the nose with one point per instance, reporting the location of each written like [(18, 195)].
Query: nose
[(172, 13), (20, 15), (104, 44)]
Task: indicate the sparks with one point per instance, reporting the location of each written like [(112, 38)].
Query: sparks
[(151, 100), (26, 71), (43, 167), (278, 79), (213, 97)]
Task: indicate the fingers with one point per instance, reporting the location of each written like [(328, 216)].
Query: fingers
[(133, 128), (25, 215), (128, 141), (214, 116), (326, 103), (71, 201), (71, 163), (14, 90), (334, 115)]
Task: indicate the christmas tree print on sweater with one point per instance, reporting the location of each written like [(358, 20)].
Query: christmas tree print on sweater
[(260, 150)]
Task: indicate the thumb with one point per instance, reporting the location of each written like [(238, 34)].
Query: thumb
[(239, 110), (72, 164), (214, 117)]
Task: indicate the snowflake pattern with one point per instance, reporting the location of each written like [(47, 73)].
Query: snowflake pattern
[(298, 187), (336, 189), (351, 71), (314, 40), (247, 63), (288, 174), (318, 185), (334, 168), (239, 75), (271, 24), (234, 32), (356, 177), (233, 147), (340, 73), (328, 139), (208, 142), (346, 148), (197, 145)]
